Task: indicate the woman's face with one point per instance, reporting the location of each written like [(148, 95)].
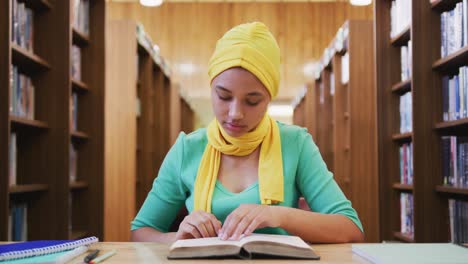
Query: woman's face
[(239, 101)]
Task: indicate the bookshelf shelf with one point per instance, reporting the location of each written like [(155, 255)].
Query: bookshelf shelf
[(403, 187), (444, 5), (402, 87), (452, 61), (402, 38), (77, 234), (38, 5), (451, 190), (403, 237), (28, 188), (79, 86), (78, 185), (20, 122), (451, 127), (80, 39), (29, 61), (402, 138), (79, 135)]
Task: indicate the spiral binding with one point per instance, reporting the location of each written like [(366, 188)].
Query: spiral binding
[(47, 250)]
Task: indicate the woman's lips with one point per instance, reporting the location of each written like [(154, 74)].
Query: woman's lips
[(234, 127)]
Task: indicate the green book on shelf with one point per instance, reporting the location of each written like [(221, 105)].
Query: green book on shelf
[(412, 253)]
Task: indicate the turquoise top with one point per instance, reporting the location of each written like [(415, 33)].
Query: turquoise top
[(305, 174)]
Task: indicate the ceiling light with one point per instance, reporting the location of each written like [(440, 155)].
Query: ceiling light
[(151, 2), (360, 2)]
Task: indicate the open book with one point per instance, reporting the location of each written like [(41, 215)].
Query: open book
[(253, 246)]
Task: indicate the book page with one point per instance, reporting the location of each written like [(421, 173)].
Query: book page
[(202, 242), (214, 241), (280, 239)]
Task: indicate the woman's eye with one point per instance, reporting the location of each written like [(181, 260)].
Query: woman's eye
[(253, 103), (224, 98)]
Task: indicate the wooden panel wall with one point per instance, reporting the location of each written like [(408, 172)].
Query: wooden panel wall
[(187, 33)]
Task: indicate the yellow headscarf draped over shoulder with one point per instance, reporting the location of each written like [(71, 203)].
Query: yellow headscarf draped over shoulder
[(252, 47)]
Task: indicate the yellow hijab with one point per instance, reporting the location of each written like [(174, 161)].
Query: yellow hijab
[(252, 47)]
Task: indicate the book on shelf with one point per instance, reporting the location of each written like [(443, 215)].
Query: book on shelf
[(41, 251), (411, 253), (454, 28), (455, 95), (22, 25), (406, 61), (18, 222), (407, 216), (80, 16), (458, 215), (253, 246), (406, 112), (73, 163), (76, 62), (12, 160), (406, 163), (400, 16), (455, 161), (22, 94), (74, 112)]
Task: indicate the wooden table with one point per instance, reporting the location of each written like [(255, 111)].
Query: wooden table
[(128, 252)]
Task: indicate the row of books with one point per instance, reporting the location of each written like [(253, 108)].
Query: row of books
[(21, 94), (406, 61), (75, 63), (73, 163), (455, 95), (458, 214), (406, 214), (22, 26), (12, 157), (400, 16), (338, 44), (74, 112), (153, 49), (455, 161), (454, 28), (18, 222), (80, 16), (406, 113), (406, 163)]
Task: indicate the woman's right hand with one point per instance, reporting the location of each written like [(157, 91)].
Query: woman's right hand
[(198, 224)]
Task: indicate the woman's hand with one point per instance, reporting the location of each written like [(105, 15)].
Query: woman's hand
[(248, 217), (198, 224)]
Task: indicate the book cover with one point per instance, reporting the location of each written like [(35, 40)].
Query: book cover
[(414, 253), (253, 246), (41, 247)]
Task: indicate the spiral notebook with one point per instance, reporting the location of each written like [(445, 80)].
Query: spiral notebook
[(41, 247)]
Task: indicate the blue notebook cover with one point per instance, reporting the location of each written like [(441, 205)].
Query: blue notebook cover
[(41, 247)]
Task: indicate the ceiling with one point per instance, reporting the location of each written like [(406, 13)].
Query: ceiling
[(186, 34)]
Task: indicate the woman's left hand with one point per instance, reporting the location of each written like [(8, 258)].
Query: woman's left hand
[(248, 217)]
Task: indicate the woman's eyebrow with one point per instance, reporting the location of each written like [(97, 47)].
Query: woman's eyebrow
[(219, 87)]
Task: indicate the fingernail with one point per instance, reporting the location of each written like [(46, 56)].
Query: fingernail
[(224, 237)]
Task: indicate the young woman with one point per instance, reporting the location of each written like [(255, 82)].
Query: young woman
[(245, 172)]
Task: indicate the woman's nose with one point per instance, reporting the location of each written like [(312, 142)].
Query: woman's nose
[(235, 110)]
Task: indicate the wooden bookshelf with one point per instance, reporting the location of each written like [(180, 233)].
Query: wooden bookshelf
[(345, 119), (43, 143), (430, 213), (402, 87), (28, 188)]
